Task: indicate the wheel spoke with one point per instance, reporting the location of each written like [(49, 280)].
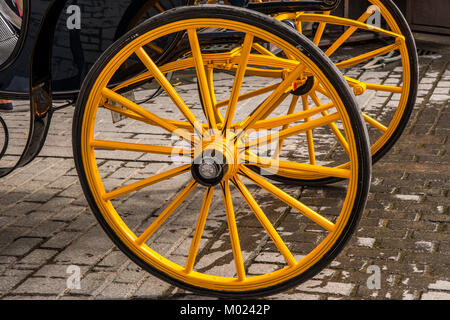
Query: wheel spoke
[(238, 79), (129, 114), (159, 7), (166, 68), (272, 61), (290, 118), (367, 56), (289, 200), (381, 87), (276, 105), (353, 26), (262, 50), (298, 26), (260, 72), (232, 227), (155, 48), (166, 213), (202, 79), (136, 147), (320, 30), (249, 95), (334, 128), (347, 34), (199, 230), (297, 129), (143, 77), (294, 168), (309, 133), (375, 123), (225, 61), (268, 105), (210, 78), (265, 222), (170, 90), (366, 86), (291, 110), (153, 118), (132, 115), (146, 182)]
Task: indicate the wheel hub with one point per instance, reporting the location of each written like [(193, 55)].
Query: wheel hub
[(209, 168), (304, 88), (217, 161)]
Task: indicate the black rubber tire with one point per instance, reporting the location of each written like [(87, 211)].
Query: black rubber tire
[(5, 142), (308, 48), (412, 97)]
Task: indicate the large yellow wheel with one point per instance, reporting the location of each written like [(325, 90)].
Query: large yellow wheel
[(188, 209), (386, 95)]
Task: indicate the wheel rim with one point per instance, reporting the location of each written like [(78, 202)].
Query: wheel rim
[(138, 244)]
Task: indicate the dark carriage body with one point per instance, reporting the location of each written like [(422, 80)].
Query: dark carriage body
[(82, 30), (47, 54)]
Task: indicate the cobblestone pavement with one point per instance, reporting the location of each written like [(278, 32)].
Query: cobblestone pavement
[(46, 225)]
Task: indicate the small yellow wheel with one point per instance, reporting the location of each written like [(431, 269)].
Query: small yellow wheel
[(189, 210)]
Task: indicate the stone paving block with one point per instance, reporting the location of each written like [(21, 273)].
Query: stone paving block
[(19, 209), (42, 195), (272, 257), (87, 249), (60, 240), (21, 246), (152, 288), (38, 256), (5, 262), (74, 191), (330, 287), (295, 296), (83, 222), (68, 213), (114, 259), (262, 268), (47, 229), (13, 197), (29, 297), (89, 284), (10, 234), (41, 286), (115, 291), (326, 274), (440, 285), (63, 182), (435, 295), (131, 275), (7, 283), (56, 204), (57, 271), (32, 219)]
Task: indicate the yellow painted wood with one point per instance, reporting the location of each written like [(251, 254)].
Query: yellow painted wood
[(166, 214), (265, 222), (193, 250)]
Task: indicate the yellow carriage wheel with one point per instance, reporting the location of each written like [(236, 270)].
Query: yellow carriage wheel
[(386, 104), (214, 150)]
